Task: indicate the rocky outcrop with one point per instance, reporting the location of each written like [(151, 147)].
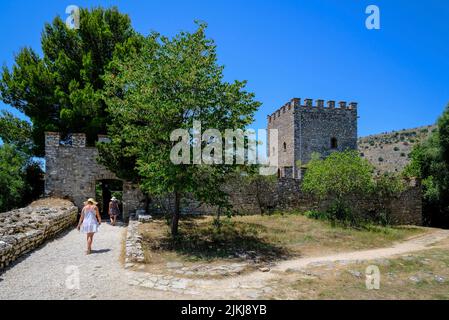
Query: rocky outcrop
[(25, 229)]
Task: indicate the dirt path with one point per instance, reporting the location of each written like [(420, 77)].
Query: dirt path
[(414, 244), (255, 285), (45, 273)]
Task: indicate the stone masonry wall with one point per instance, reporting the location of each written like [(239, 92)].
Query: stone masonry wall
[(307, 128), (316, 126), (25, 229), (72, 172), (405, 209)]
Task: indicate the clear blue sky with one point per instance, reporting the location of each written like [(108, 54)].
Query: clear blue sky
[(299, 48)]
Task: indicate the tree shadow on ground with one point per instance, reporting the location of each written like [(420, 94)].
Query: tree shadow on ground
[(202, 240)]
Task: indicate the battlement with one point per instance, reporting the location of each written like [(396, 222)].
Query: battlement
[(295, 104), (76, 140)]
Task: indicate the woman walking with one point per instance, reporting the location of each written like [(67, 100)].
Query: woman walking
[(114, 210), (89, 221)]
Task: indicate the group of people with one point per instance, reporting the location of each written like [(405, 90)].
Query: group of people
[(90, 219)]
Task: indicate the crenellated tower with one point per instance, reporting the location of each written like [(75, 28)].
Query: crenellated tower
[(307, 128)]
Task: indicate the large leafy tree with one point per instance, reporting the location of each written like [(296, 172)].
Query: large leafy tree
[(12, 183), (169, 85), (62, 90), (16, 132), (21, 174), (430, 162), (340, 175)]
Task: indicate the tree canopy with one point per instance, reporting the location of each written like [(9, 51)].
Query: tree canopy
[(62, 91), (430, 162), (170, 84), (339, 175), (12, 184)]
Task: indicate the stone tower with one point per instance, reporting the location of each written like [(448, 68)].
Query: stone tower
[(307, 128)]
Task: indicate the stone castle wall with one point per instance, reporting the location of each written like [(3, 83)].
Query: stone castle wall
[(286, 195), (25, 229), (72, 171), (403, 209)]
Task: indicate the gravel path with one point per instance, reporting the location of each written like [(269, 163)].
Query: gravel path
[(49, 272)]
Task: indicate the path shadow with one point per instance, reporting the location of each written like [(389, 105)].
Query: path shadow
[(100, 251)]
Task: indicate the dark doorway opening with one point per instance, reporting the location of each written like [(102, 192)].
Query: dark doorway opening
[(104, 191), (334, 143)]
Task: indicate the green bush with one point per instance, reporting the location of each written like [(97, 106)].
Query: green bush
[(339, 175), (12, 184), (340, 212), (317, 215)]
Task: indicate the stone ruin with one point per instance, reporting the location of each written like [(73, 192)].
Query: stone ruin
[(307, 128), (72, 172)]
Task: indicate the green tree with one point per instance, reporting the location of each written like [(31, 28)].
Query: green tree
[(12, 184), (167, 86), (16, 132), (339, 176), (430, 162), (62, 91)]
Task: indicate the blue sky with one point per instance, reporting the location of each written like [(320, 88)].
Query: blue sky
[(399, 74)]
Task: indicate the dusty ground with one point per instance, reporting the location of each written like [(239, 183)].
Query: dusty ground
[(260, 239), (45, 273), (49, 272)]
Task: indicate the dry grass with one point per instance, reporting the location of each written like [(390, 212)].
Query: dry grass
[(264, 238), (53, 202), (422, 275)]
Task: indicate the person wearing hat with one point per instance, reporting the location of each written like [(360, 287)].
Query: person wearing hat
[(114, 210), (89, 221)]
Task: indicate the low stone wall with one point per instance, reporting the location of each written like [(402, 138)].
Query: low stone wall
[(403, 209), (133, 250), (25, 229)]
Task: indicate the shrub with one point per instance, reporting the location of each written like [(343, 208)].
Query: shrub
[(396, 149), (318, 215), (388, 185), (339, 176), (339, 211)]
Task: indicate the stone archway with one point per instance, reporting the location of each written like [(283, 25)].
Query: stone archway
[(104, 190)]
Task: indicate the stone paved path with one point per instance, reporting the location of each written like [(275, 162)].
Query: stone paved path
[(42, 275)]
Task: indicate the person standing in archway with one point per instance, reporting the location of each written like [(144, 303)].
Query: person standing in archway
[(114, 210), (89, 222)]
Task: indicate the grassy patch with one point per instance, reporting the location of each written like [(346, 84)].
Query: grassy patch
[(422, 275), (264, 238)]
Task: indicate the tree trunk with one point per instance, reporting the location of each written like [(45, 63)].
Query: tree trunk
[(175, 218), (147, 203), (259, 200)]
